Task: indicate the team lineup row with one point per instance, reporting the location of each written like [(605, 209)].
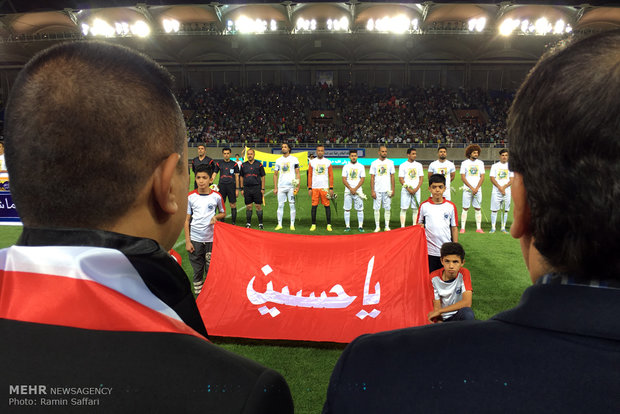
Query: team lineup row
[(248, 179)]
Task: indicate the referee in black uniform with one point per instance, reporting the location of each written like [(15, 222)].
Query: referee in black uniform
[(229, 181), (202, 158), (252, 177)]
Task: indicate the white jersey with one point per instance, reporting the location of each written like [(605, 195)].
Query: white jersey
[(449, 293), (382, 170), (320, 172), (445, 168), (202, 208), (285, 166), (412, 172), (473, 171), (502, 175), (353, 173), (438, 220)]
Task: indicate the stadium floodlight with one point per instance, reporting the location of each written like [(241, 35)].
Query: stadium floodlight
[(246, 25), (525, 24), (344, 23), (542, 26), (477, 24), (415, 25), (400, 24), (508, 26), (569, 28), (370, 25), (122, 28), (171, 25), (101, 28), (559, 27), (140, 29), (312, 24), (273, 25), (85, 29)]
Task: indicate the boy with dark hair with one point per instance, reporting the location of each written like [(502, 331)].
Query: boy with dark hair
[(204, 208), (451, 287), (228, 186), (439, 219)]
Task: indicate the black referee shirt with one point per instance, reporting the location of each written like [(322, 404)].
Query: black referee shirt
[(227, 170), (252, 173), (197, 161)]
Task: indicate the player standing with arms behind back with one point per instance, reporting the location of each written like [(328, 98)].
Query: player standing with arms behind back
[(501, 177), (410, 175), (382, 187), (472, 174)]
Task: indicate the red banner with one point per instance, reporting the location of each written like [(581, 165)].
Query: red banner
[(316, 288)]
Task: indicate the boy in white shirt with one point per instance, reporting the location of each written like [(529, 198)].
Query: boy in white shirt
[(204, 208)]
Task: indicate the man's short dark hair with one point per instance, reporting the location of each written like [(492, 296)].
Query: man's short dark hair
[(86, 125), (226, 149), (442, 147), (352, 151), (563, 129), (410, 150), (449, 248), (288, 145), (436, 178), (503, 151), (471, 148)]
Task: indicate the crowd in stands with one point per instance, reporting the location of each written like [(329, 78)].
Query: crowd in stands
[(274, 114)]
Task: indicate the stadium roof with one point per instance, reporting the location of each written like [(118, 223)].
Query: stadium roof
[(304, 32)]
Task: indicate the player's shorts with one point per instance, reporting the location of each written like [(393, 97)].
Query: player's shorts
[(496, 201), (446, 194), (383, 199), (319, 193), (252, 194), (469, 198), (354, 200), (286, 194), (408, 200), (227, 190)]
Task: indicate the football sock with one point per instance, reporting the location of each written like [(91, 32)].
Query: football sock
[(233, 215), (280, 212), (259, 214), (386, 217), (328, 214), (478, 216), (403, 217), (313, 214), (293, 212), (377, 215), (347, 218), (493, 219), (463, 219), (504, 220), (248, 216), (414, 216), (360, 218)]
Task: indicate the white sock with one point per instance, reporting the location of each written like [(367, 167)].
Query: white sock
[(478, 216), (280, 213), (414, 216), (293, 213), (347, 218), (504, 220), (464, 219), (493, 219), (360, 218), (403, 217), (377, 215), (386, 217)]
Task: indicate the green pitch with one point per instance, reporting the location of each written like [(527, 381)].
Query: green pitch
[(498, 275)]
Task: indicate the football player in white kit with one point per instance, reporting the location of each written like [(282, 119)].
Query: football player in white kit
[(286, 183), (353, 176), (410, 175), (444, 167), (501, 177), (382, 186), (472, 174)]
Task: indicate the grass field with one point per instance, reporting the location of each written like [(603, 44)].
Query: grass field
[(498, 274)]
